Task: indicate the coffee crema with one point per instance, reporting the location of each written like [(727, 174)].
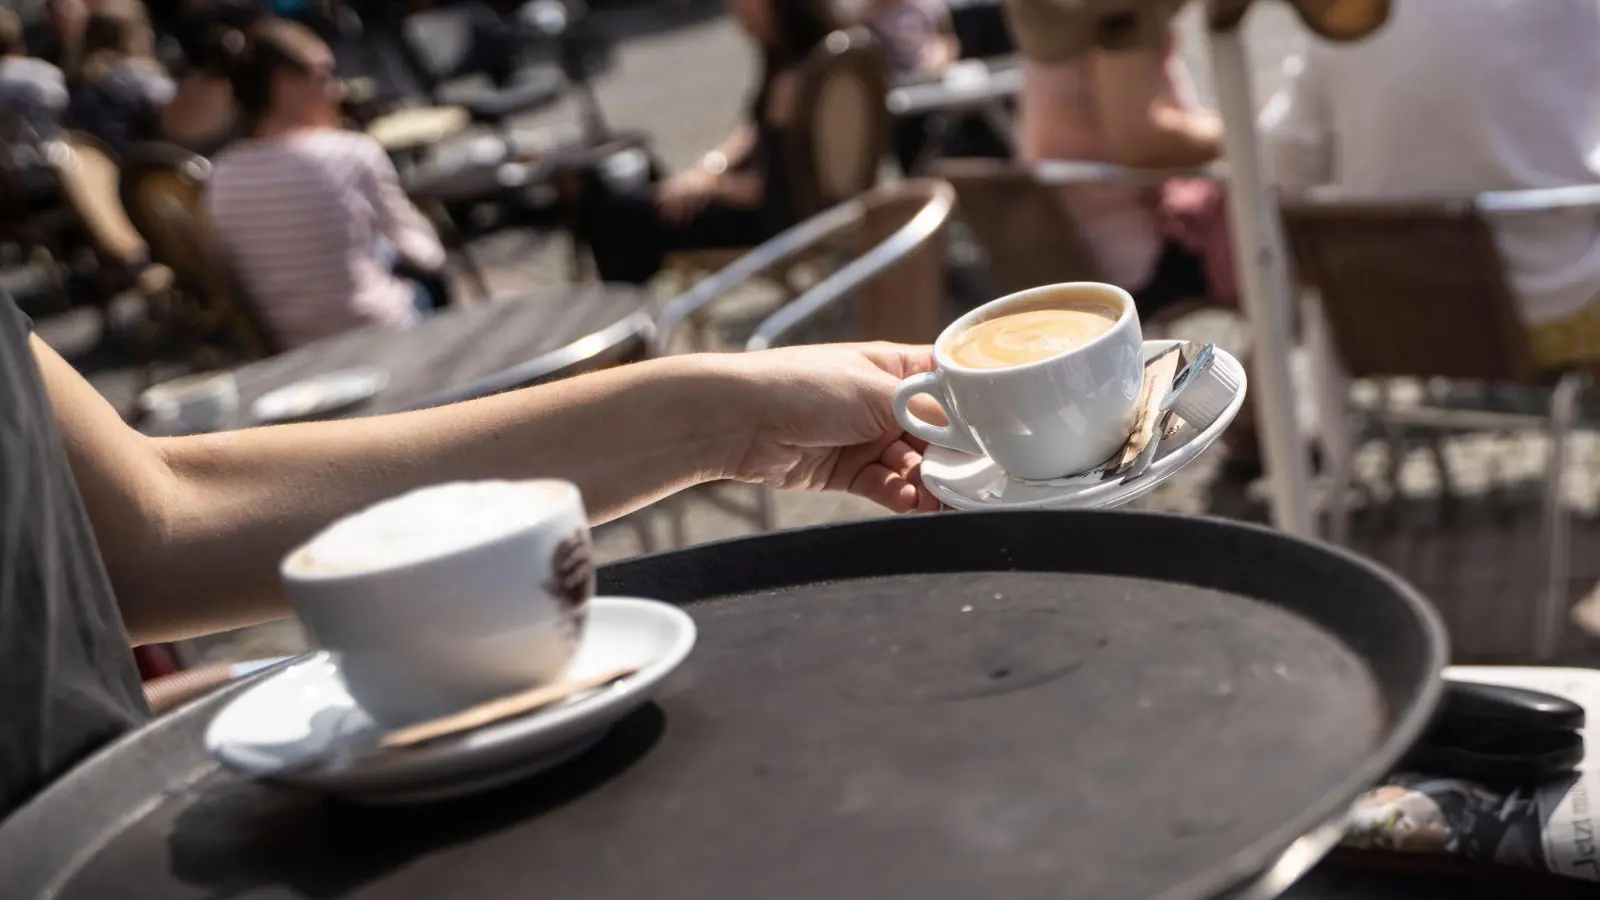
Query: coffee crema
[(1023, 337)]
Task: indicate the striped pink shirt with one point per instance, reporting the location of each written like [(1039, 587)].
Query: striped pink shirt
[(300, 218)]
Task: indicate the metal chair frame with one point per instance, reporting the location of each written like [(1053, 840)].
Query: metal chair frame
[(851, 53), (1510, 364), (829, 228), (1331, 386)]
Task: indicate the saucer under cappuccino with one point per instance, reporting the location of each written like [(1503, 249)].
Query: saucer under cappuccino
[(1018, 338)]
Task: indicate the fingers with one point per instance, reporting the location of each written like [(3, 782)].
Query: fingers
[(886, 488), (905, 460), (901, 458), (894, 480)]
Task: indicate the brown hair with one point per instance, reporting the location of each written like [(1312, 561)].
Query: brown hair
[(257, 54)]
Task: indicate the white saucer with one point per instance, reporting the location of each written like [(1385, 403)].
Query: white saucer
[(964, 481), (299, 727), (320, 395)]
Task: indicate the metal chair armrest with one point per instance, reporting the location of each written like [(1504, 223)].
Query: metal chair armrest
[(1076, 171), (926, 222), (1575, 197), (1536, 200), (634, 331), (784, 247), (996, 85)]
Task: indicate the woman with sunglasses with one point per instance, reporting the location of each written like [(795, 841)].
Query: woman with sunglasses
[(307, 212)]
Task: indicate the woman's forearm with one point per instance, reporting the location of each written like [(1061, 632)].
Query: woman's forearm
[(249, 497), (193, 528)]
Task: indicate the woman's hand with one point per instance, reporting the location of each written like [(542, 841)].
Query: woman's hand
[(685, 194), (821, 419)]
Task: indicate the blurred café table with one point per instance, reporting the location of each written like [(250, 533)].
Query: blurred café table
[(468, 351), (499, 169), (495, 168)]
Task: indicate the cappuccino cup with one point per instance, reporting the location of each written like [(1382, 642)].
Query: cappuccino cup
[(448, 596), (1045, 382)]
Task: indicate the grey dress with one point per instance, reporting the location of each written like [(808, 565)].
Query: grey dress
[(67, 679)]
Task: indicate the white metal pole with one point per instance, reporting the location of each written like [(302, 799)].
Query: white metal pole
[(1258, 251)]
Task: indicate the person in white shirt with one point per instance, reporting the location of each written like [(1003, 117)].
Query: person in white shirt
[(1454, 97)]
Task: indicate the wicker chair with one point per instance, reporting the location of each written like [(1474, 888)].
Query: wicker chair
[(89, 173), (1028, 235), (891, 227), (835, 148), (161, 188), (1418, 289), (1022, 227)]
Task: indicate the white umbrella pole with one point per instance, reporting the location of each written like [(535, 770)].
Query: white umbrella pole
[(1264, 282)]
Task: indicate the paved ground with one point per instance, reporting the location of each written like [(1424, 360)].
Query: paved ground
[(683, 80)]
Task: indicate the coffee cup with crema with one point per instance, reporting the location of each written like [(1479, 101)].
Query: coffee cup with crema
[(448, 596), (1045, 382)]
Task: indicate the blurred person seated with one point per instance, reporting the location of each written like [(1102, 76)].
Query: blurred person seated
[(116, 538), (33, 93), (1451, 99), (1136, 108), (121, 90), (308, 213), (739, 194)]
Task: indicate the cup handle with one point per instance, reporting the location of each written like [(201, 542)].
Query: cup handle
[(955, 436)]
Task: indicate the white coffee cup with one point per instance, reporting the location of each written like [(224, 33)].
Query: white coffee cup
[(448, 596), (1056, 416)]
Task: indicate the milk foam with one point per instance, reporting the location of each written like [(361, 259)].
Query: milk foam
[(429, 523), (1027, 336)]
